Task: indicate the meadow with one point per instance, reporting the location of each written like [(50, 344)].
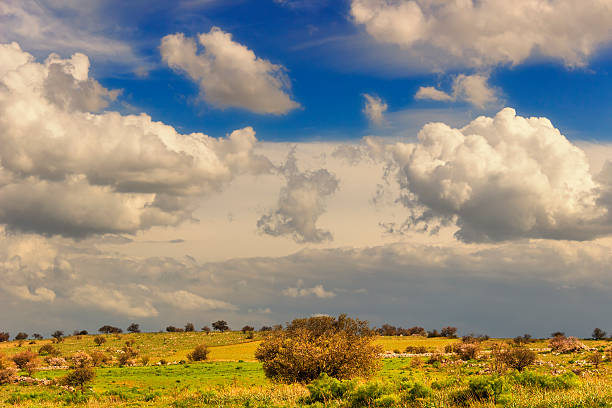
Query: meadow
[(231, 377)]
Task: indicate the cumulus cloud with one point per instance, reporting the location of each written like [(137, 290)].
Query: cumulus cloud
[(65, 169), (228, 73), (501, 178), (469, 88), (299, 291), (374, 108), (185, 300), (491, 32), (300, 204)]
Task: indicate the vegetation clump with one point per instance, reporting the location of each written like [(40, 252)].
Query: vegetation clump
[(8, 372), (562, 344), (199, 353), (517, 358), (340, 347)]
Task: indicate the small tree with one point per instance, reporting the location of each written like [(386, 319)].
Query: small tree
[(265, 328), (220, 325), (134, 328), (596, 359), (341, 348), (199, 353), (172, 329), (58, 335), (557, 334), (189, 327), (450, 332), (48, 350), (79, 377), (598, 334), (518, 358), (521, 340), (206, 329), (110, 329), (21, 336), (99, 340), (247, 329), (4, 336), (37, 336)]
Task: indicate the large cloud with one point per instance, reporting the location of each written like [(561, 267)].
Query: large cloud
[(65, 170), (229, 74), (300, 204), (502, 178), (489, 32)]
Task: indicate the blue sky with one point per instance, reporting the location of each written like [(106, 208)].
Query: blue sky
[(258, 160)]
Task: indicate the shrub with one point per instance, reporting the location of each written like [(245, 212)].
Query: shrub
[(449, 331), (468, 351), (98, 358), (247, 329), (562, 344), (144, 360), (134, 328), (23, 358), (21, 336), (596, 359), (366, 394), (340, 347), (326, 388), (206, 329), (37, 336), (485, 388), (265, 329), (48, 350), (99, 340), (81, 359), (8, 372), (127, 356), (220, 325), (521, 340), (172, 329), (189, 327), (517, 358), (417, 391), (199, 353), (560, 382), (79, 377), (416, 349), (4, 336)]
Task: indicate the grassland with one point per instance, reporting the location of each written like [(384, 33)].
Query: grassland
[(232, 377)]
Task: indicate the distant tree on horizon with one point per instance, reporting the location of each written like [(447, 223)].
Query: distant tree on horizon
[(107, 329), (206, 329), (134, 328), (247, 329), (21, 336), (189, 327), (4, 336), (37, 336), (598, 334), (58, 335), (220, 325)]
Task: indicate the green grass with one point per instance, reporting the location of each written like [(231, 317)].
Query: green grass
[(234, 379)]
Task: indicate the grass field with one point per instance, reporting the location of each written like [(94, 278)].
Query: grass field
[(233, 378)]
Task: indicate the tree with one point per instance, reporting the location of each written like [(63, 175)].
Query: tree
[(199, 353), (518, 358), (342, 348), (220, 325), (598, 334), (265, 328), (110, 329), (388, 330), (172, 329), (596, 359), (557, 334), (206, 329), (247, 329), (4, 336), (449, 331), (37, 336), (79, 377), (189, 327), (58, 335), (524, 339), (21, 336), (134, 328), (99, 340)]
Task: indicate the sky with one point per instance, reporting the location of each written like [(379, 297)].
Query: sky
[(413, 162)]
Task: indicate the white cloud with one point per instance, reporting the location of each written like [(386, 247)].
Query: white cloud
[(65, 170), (470, 88), (318, 291), (501, 178), (300, 204), (182, 299), (374, 108), (113, 300), (40, 294), (489, 32), (228, 73)]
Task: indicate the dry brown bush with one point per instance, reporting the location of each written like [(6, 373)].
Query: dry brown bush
[(562, 344), (199, 353), (23, 358)]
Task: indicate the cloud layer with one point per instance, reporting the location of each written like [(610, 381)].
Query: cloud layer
[(490, 32), (228, 73), (70, 171)]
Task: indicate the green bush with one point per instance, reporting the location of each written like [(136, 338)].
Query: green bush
[(416, 392), (48, 350), (548, 382), (326, 388), (199, 353), (485, 388), (365, 395)]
